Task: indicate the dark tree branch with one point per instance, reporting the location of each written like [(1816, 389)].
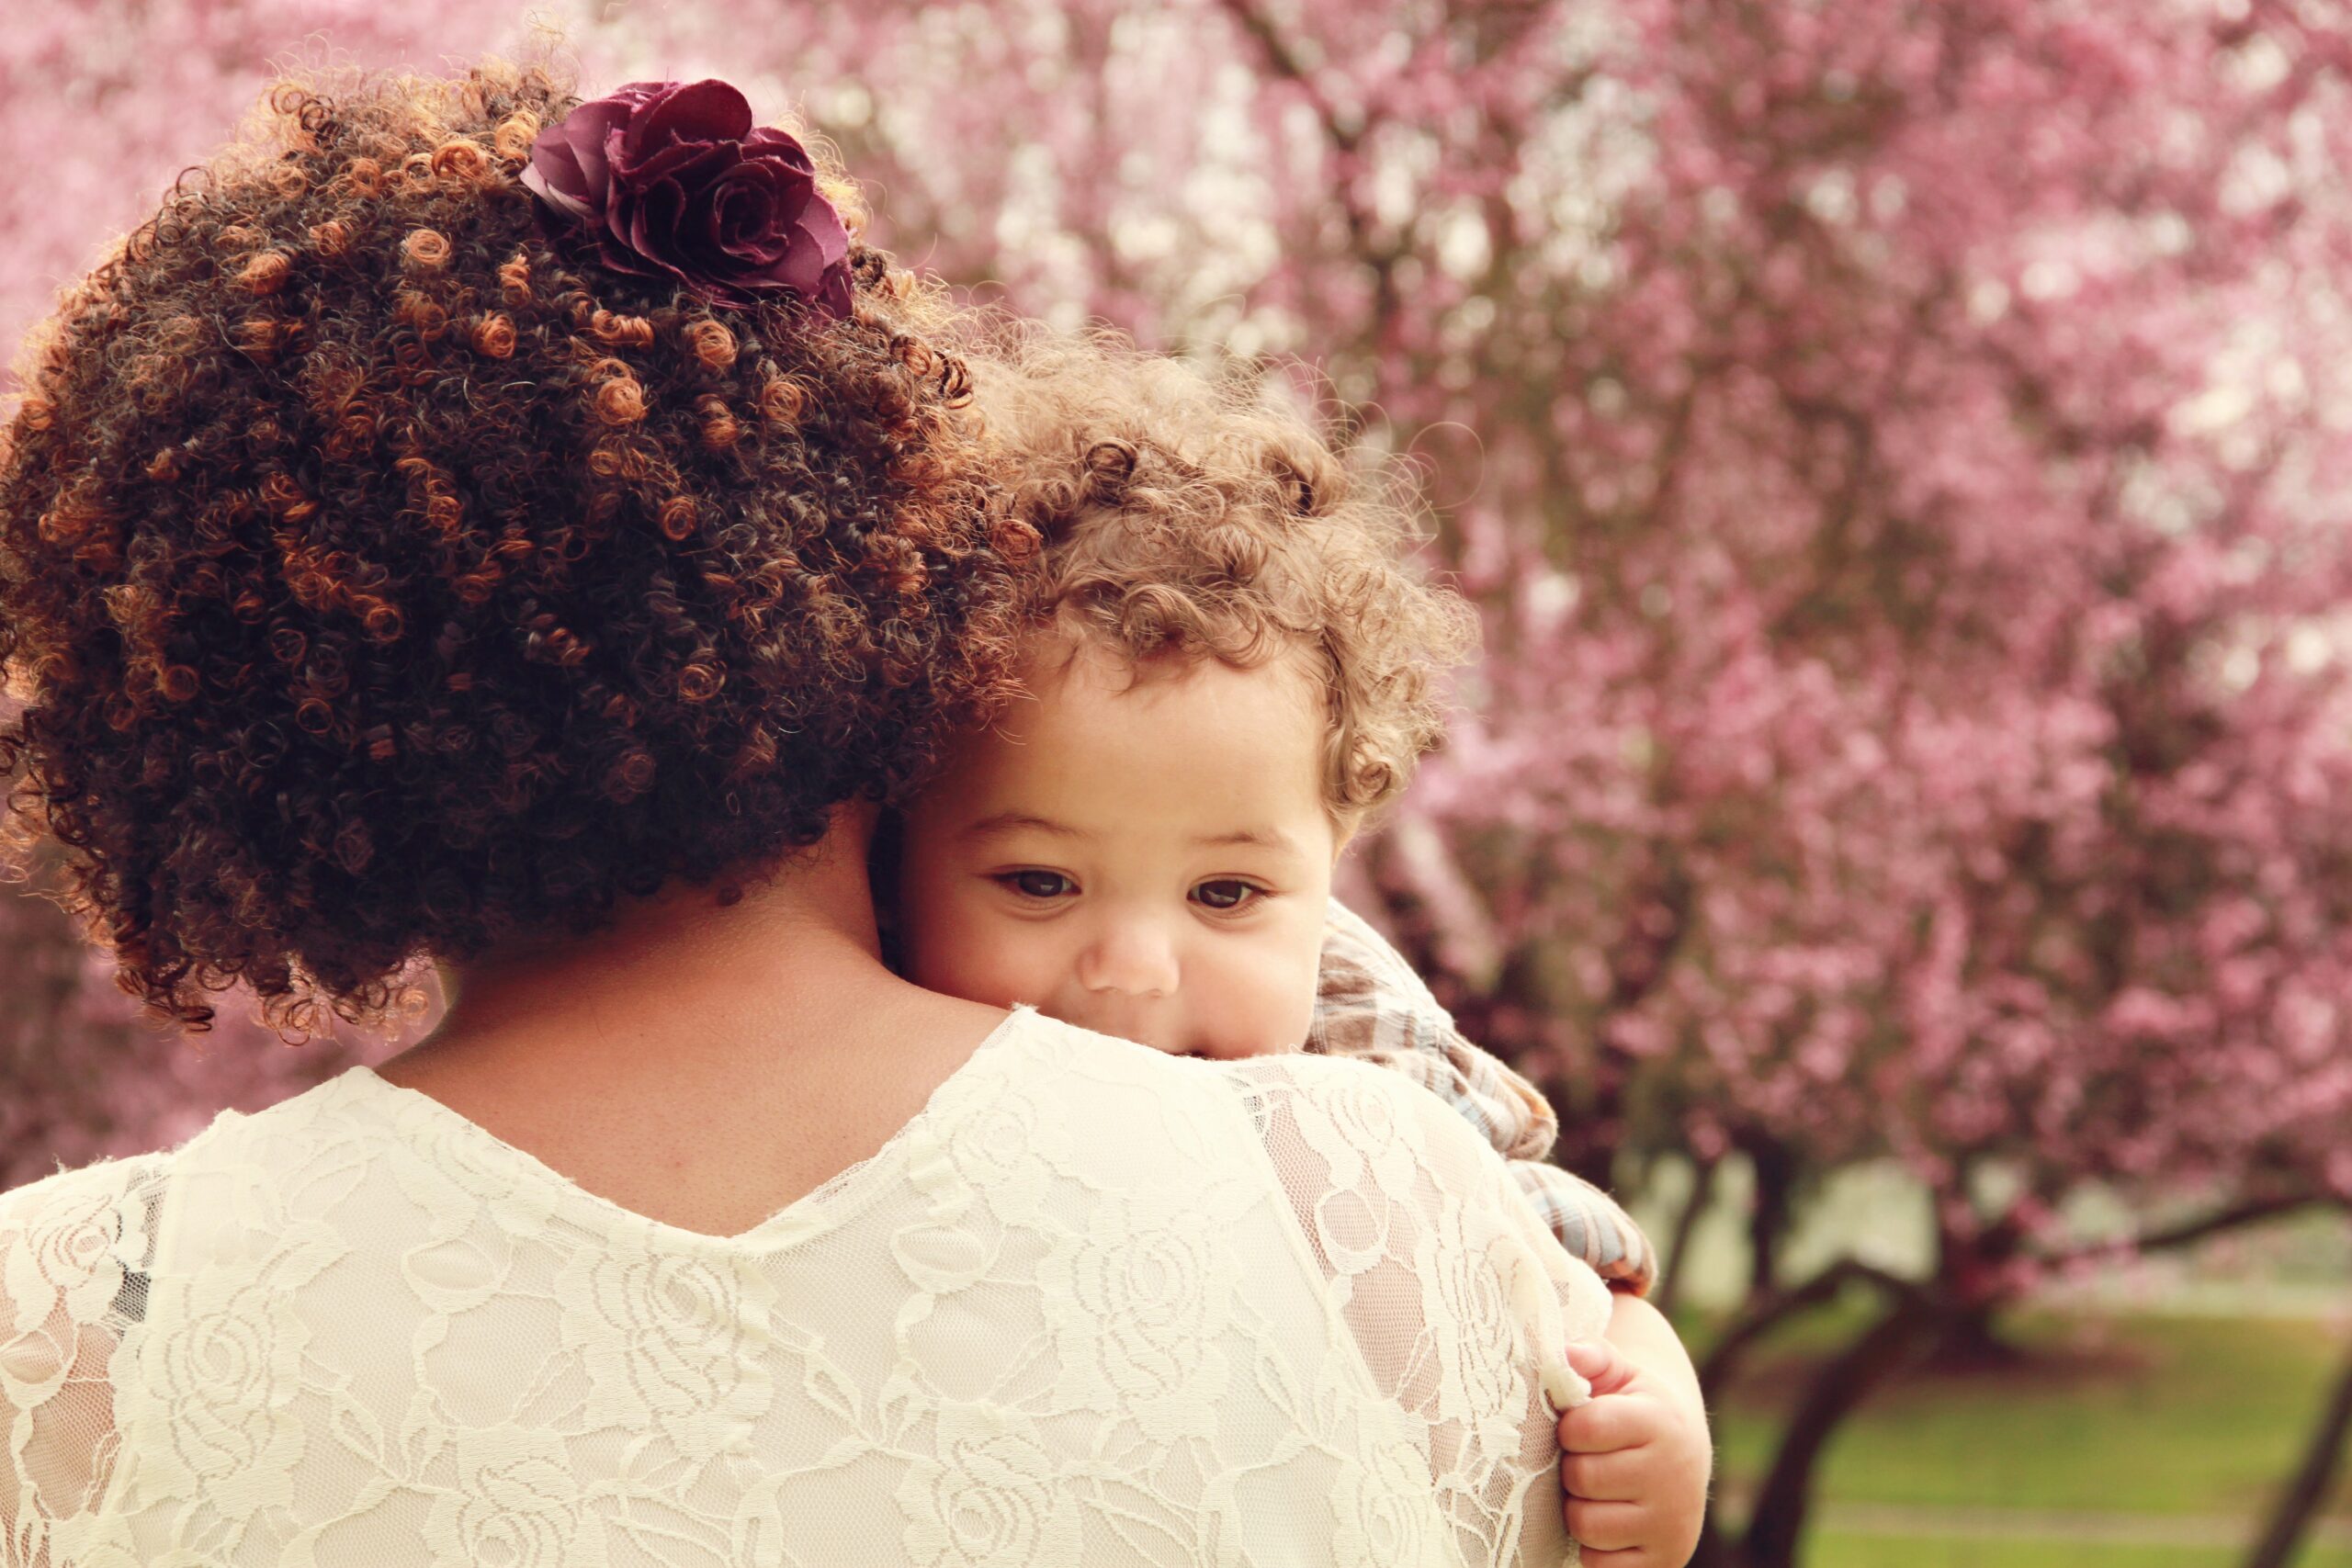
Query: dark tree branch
[(1349, 140), (1910, 1326), (2314, 1478), (1724, 1357), (1678, 1245), (2247, 1212)]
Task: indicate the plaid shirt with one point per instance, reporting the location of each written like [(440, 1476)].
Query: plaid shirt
[(1369, 1004)]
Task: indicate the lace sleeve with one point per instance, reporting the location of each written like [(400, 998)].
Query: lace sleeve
[(1461, 1302), (74, 1252), (1370, 1005)]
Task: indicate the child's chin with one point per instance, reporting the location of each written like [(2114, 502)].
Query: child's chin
[(1179, 1043), (1241, 1053), (1158, 1040)]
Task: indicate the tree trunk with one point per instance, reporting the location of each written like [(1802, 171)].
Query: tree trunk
[(1834, 1391), (1767, 1216), (1974, 1344), (2322, 1460), (1721, 1365), (1678, 1245)]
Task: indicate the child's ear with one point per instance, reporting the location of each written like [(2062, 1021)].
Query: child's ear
[(1343, 833)]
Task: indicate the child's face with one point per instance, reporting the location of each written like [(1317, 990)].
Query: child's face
[(1149, 860)]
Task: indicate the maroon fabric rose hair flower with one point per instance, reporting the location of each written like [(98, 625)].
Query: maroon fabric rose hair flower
[(671, 180)]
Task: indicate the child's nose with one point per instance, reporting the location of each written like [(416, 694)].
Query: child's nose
[(1133, 957)]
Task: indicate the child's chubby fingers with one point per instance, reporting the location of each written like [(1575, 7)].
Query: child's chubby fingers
[(1605, 1526), (1625, 1476), (1600, 1364), (1641, 1540), (1626, 1419), (1631, 1557), (1635, 1460)]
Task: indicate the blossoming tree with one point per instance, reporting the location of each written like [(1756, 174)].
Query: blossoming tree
[(1895, 448)]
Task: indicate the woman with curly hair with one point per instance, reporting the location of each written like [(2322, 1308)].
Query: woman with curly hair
[(469, 524)]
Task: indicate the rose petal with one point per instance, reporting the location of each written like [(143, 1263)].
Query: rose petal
[(745, 209), (535, 181), (768, 142), (640, 216), (585, 133), (819, 242), (634, 95), (566, 167), (805, 266), (652, 224), (740, 223), (835, 297), (691, 164), (700, 113), (617, 256), (803, 262), (822, 222)]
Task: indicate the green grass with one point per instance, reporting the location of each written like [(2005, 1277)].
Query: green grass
[(2130, 1414), (1829, 1549)]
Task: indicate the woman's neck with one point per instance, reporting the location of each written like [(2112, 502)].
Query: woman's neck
[(807, 925), (699, 1062), (681, 963)]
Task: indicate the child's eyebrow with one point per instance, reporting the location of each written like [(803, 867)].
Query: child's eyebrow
[(1014, 821), (1261, 838)]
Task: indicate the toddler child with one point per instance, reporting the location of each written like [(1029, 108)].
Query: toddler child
[(1231, 668)]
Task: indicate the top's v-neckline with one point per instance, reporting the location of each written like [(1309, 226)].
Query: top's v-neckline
[(820, 1209)]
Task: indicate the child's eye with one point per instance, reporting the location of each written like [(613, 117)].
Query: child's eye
[(1228, 892), (1038, 884)]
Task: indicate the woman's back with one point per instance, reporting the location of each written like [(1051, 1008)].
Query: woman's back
[(1095, 1304)]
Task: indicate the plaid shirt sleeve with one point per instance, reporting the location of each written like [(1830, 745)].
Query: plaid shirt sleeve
[(1369, 1004)]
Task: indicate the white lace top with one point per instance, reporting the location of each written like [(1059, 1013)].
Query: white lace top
[(1094, 1306)]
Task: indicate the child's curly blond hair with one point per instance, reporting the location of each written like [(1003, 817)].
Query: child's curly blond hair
[(1186, 514)]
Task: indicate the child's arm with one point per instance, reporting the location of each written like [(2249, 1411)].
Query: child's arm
[(1369, 1004)]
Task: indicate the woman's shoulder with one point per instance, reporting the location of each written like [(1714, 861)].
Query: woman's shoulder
[(100, 1181), (1081, 1063), (75, 1249), (97, 1220), (107, 1193), (1369, 1097), (1353, 1109)]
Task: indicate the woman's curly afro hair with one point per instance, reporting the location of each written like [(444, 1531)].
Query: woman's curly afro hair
[(378, 585)]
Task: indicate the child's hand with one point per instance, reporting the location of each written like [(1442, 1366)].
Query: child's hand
[(1634, 1464)]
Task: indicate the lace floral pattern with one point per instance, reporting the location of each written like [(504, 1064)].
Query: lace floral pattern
[(1093, 1306)]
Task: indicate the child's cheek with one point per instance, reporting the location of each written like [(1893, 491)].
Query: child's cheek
[(1258, 1001), (981, 957)]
